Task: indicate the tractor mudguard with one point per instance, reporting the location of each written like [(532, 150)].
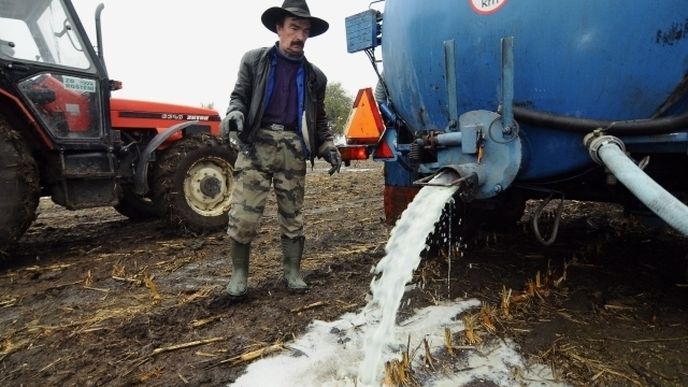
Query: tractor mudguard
[(141, 177)]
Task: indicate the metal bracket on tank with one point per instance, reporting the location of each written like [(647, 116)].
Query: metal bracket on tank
[(482, 152), (452, 90), (508, 86)]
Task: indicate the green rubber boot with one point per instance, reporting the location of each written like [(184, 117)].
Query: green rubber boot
[(292, 251), (239, 282)]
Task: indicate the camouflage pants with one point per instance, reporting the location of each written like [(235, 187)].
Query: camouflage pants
[(276, 159)]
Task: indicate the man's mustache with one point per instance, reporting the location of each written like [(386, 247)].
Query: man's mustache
[(298, 43)]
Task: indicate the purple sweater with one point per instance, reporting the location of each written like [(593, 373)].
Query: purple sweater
[(283, 105)]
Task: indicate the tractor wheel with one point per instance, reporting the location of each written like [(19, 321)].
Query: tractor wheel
[(194, 179), (19, 186), (138, 209)]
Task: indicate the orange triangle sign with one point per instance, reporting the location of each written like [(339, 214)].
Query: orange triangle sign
[(364, 125)]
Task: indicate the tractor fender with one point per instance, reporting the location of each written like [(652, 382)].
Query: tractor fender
[(141, 177)]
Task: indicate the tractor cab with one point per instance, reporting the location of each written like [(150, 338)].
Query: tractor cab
[(55, 93), (48, 63)]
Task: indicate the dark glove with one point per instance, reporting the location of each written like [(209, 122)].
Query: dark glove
[(333, 157), (246, 149), (233, 121)]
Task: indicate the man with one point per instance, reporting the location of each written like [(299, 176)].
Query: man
[(277, 108)]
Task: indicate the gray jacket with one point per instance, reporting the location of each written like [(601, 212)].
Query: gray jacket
[(249, 92)]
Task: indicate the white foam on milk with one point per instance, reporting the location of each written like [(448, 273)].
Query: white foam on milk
[(329, 354)]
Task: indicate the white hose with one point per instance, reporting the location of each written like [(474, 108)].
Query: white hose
[(654, 196)]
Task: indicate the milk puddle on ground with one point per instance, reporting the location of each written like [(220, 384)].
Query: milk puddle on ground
[(352, 351)]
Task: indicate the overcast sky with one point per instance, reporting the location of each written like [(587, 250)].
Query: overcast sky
[(188, 52)]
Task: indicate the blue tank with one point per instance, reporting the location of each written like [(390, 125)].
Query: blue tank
[(592, 59), (578, 99)]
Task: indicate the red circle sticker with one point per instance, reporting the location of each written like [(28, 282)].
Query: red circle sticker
[(485, 7)]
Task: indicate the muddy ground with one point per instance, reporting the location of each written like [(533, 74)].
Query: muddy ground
[(90, 298)]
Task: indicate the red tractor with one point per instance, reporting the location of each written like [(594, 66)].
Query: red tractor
[(61, 135)]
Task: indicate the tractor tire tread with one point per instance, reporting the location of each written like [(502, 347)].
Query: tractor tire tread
[(168, 177), (19, 186)]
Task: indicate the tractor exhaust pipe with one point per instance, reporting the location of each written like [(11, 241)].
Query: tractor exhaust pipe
[(611, 152), (99, 33)]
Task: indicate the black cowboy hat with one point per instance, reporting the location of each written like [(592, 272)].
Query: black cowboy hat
[(294, 8)]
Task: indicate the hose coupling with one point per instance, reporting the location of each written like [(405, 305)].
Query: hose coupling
[(596, 140)]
